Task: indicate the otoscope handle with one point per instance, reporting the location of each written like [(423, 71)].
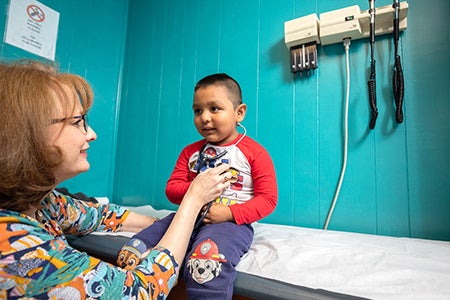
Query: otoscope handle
[(396, 29), (372, 21), (396, 7)]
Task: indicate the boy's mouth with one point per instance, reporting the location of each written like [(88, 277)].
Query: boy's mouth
[(208, 129)]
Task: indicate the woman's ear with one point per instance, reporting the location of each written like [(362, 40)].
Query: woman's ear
[(240, 112)]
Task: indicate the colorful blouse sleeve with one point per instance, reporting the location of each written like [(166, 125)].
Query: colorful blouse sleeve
[(78, 217), (34, 263)]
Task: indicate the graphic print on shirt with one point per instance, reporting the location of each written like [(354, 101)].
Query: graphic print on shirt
[(209, 158), (205, 263), (236, 180)]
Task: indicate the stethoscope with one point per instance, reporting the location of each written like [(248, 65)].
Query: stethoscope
[(206, 160)]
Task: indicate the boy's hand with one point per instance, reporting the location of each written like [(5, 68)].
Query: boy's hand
[(218, 213)]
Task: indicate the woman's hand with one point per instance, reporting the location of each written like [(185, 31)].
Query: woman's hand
[(208, 185)]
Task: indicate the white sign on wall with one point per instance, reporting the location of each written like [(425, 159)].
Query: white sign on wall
[(33, 27)]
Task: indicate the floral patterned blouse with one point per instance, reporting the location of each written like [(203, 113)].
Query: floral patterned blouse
[(36, 262)]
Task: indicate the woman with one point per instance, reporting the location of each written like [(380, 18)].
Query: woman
[(44, 138)]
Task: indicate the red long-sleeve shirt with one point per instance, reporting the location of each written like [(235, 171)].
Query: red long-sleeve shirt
[(253, 192)]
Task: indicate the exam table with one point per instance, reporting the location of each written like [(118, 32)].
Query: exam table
[(290, 262)]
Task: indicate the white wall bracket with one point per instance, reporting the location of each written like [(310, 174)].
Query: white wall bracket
[(301, 36), (301, 31)]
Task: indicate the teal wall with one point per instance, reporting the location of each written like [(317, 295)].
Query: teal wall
[(91, 43), (397, 175)]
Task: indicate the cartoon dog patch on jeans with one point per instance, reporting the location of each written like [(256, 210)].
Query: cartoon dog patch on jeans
[(205, 263)]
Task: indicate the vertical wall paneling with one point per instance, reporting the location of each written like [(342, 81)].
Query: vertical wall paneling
[(396, 181), (137, 126), (428, 124), (305, 160), (169, 94), (275, 102)]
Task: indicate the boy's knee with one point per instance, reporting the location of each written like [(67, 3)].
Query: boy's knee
[(205, 262)]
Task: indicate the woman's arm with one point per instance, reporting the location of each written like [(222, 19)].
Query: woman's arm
[(136, 222), (63, 271), (79, 217), (206, 187)]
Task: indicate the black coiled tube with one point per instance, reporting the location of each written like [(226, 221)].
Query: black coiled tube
[(372, 95), (398, 84)]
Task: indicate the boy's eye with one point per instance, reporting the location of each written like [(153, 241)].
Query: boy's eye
[(214, 108), (197, 111)]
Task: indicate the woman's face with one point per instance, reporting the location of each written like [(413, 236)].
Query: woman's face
[(71, 137)]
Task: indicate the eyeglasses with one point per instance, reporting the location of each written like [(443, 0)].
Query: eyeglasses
[(81, 122)]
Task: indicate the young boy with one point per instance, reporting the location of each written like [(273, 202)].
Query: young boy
[(225, 233)]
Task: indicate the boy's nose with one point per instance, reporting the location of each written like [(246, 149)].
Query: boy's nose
[(205, 117)]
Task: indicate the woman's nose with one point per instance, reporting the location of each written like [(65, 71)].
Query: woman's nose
[(91, 135)]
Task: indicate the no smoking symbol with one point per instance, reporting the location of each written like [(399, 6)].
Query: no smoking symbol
[(35, 13)]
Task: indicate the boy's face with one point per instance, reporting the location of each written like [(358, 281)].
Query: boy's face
[(214, 115)]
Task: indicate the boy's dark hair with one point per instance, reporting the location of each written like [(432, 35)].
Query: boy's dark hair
[(232, 86)]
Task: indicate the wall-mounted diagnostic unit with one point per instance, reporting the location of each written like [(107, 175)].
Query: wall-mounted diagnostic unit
[(302, 35)]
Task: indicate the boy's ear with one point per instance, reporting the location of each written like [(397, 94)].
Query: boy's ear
[(240, 112)]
